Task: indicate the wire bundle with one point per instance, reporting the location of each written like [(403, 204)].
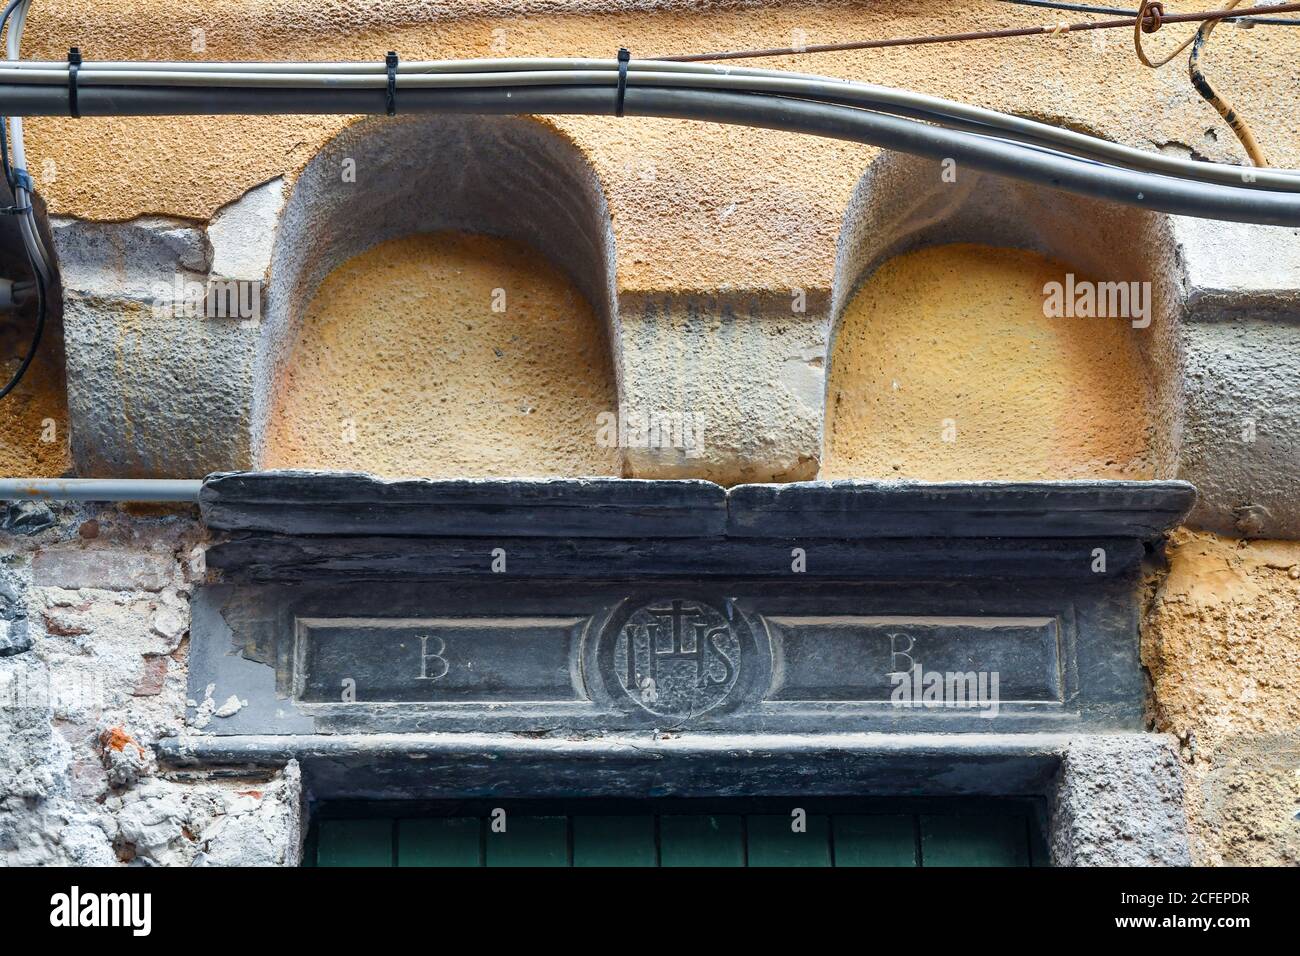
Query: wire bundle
[(882, 116), (42, 263)]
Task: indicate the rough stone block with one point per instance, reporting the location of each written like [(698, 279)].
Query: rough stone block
[(1118, 801), (112, 570), (1241, 429), (1235, 267), (747, 368)]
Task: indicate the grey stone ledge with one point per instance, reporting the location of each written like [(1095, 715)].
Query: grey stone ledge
[(306, 502), (650, 763), (861, 509), (323, 503)]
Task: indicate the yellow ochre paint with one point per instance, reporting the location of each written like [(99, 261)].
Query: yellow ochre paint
[(402, 366), (946, 368), (34, 416)]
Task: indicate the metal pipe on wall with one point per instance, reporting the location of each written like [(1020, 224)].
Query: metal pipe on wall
[(100, 489)]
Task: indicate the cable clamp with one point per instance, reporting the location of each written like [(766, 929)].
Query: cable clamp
[(623, 57), (390, 62), (74, 67), (14, 210)]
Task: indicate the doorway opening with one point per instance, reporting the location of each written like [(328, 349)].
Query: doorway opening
[(771, 832)]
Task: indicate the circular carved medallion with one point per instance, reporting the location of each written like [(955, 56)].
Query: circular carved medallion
[(676, 657)]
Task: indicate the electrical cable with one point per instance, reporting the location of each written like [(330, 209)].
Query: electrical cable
[(41, 309), (41, 260), (19, 182), (1053, 29), (1172, 194), (1235, 121), (570, 71), (1150, 16)]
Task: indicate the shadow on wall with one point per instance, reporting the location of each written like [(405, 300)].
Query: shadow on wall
[(34, 416), (945, 363), (440, 301)]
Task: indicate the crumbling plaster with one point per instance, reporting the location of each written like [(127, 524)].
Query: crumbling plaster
[(94, 615), (1221, 643)]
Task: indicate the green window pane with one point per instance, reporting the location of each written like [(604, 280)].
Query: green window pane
[(614, 841), (355, 843), (974, 840), (772, 842), (874, 840), (529, 841), (438, 841), (701, 840)]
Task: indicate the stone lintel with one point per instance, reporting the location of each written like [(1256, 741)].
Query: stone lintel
[(316, 503)]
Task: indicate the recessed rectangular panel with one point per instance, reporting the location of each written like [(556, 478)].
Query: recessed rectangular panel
[(437, 660), (355, 843), (884, 840), (704, 839), (614, 841), (529, 841), (870, 658), (781, 840), (439, 841), (974, 840)]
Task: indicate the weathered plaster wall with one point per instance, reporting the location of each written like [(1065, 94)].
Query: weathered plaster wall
[(696, 206), (446, 355), (946, 368), (94, 621), (1222, 644), (34, 417), (720, 257)]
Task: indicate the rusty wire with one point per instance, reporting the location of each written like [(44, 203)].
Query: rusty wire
[(1150, 17), (1053, 29)]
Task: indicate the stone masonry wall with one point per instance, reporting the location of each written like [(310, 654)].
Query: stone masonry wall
[(94, 619), (94, 622)]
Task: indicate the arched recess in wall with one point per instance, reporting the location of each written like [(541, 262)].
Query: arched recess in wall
[(944, 363), (440, 304)]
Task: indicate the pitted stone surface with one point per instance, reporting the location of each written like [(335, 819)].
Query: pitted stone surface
[(1241, 433), (1119, 802)]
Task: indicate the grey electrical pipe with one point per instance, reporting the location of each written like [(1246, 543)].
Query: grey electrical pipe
[(100, 489), (567, 71), (1035, 164)]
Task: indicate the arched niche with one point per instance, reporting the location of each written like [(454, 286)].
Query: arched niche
[(472, 193), (903, 214)]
